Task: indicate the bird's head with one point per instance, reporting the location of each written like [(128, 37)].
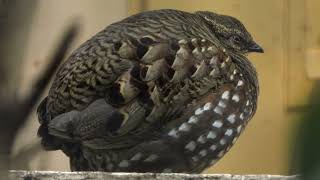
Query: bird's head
[(230, 32)]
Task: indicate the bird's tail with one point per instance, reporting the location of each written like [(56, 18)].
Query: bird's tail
[(48, 142)]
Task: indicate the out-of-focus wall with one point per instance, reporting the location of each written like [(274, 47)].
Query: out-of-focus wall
[(48, 25)]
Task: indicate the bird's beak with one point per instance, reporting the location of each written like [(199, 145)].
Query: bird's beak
[(254, 47)]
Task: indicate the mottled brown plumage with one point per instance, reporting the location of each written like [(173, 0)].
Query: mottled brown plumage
[(160, 91)]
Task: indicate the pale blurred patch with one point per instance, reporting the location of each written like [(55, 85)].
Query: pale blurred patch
[(48, 25)]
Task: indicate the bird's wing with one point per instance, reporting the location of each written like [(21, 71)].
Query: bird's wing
[(172, 87), (148, 75), (138, 93), (136, 50)]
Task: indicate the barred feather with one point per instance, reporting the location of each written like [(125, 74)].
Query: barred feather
[(160, 91)]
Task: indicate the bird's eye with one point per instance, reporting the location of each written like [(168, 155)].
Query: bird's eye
[(236, 39)]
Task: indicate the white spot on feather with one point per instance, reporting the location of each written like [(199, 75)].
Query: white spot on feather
[(229, 132), (239, 128), (226, 95), (221, 153), (207, 106), (193, 119), (234, 140), (222, 104), (223, 141), (191, 146), (241, 116), (231, 118), (213, 147), (240, 83), (217, 124), (203, 153), (195, 158), (198, 111), (236, 98), (185, 127), (228, 148), (201, 139), (211, 135), (173, 133), (218, 110)]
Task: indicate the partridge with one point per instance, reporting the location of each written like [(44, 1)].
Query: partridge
[(160, 91)]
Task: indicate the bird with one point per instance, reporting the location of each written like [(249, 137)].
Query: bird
[(160, 91)]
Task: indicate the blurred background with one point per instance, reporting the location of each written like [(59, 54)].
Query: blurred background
[(288, 30)]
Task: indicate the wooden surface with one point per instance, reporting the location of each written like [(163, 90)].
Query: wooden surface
[(54, 175)]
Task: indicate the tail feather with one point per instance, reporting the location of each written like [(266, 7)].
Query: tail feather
[(48, 141), (43, 116)]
